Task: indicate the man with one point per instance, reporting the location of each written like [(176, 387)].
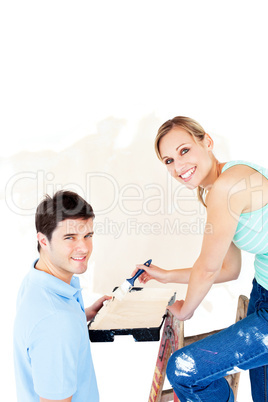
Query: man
[(51, 343)]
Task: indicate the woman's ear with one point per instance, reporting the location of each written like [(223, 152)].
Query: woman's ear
[(42, 239), (208, 141)]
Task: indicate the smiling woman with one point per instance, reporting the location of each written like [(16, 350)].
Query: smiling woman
[(185, 136), (236, 199), (187, 161)]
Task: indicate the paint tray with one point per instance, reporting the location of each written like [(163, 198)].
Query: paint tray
[(141, 314)]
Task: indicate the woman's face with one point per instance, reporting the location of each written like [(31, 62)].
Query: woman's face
[(187, 160)]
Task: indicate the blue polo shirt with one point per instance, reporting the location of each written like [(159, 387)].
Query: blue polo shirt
[(51, 343)]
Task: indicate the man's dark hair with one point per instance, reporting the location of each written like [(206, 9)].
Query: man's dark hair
[(63, 205)]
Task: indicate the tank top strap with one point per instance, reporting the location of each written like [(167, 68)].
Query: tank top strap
[(258, 168)]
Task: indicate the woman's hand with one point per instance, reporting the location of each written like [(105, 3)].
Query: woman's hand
[(151, 272), (177, 310), (93, 310)]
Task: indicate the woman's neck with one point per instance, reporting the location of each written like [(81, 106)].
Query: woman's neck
[(213, 174)]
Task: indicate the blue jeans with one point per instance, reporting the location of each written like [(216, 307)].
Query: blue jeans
[(196, 372)]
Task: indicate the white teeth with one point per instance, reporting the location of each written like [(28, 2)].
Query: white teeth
[(81, 258), (188, 173)]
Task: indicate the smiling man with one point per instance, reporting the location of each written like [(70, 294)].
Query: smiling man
[(51, 343)]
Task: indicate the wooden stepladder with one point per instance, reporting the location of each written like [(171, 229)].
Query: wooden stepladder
[(173, 339)]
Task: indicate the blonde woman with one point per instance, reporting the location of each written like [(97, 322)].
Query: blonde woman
[(236, 197)]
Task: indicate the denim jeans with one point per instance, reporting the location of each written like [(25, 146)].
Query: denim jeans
[(196, 372)]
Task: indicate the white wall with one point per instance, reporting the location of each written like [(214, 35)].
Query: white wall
[(84, 87)]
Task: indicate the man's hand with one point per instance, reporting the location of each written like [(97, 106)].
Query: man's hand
[(92, 310)]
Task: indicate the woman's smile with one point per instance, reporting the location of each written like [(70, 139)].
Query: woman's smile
[(187, 159), (188, 174)]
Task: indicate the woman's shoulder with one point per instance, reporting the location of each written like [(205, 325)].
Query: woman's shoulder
[(237, 170), (236, 182), (230, 182), (229, 174), (243, 167)]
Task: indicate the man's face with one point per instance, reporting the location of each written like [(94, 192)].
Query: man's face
[(69, 249)]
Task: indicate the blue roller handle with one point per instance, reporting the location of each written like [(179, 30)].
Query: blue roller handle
[(138, 273)]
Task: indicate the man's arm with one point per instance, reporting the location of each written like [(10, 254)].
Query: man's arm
[(54, 353)]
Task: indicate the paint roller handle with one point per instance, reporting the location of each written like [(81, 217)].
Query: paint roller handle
[(139, 272)]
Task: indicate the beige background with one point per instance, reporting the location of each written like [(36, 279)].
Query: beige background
[(85, 86)]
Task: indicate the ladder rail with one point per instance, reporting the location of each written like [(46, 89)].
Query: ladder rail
[(173, 339)]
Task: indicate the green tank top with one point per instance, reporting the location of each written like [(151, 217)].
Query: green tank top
[(252, 231)]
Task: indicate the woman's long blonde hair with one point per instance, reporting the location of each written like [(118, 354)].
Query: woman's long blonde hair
[(189, 125)]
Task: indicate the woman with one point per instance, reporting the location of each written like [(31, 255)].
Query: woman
[(236, 197)]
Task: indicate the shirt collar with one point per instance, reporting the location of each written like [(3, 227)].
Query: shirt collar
[(54, 284)]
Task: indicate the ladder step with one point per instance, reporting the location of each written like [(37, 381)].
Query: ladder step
[(167, 395), (194, 338)]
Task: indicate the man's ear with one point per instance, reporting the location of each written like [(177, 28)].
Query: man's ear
[(42, 240), (209, 142)]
